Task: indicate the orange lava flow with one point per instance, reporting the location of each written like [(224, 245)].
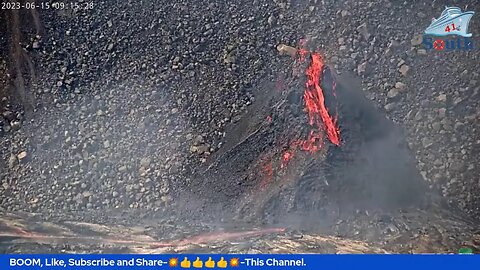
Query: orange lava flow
[(315, 101), (322, 124)]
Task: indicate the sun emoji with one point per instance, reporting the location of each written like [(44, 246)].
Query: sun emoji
[(173, 262), (234, 262)]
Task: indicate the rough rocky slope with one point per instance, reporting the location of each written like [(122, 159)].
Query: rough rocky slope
[(132, 98)]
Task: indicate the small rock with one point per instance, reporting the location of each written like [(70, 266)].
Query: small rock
[(193, 149), (286, 50), (204, 148), (393, 93), (362, 68), (422, 52), (271, 20), (12, 161), (400, 85), (404, 69), (145, 162), (200, 149), (424, 175), (106, 144), (15, 125), (22, 155), (229, 58), (442, 98), (416, 40), (390, 107)]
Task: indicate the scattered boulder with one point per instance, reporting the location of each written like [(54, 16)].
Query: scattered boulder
[(22, 156), (400, 85), (363, 68), (286, 50), (145, 162), (12, 161), (389, 107), (404, 69), (442, 98), (15, 125), (416, 40), (422, 52), (36, 45), (393, 93), (200, 149)]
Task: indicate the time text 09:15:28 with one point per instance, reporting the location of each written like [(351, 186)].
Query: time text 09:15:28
[(46, 5)]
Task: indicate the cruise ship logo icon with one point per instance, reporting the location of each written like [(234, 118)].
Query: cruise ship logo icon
[(452, 21)]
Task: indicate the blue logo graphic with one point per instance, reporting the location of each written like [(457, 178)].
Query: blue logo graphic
[(452, 22)]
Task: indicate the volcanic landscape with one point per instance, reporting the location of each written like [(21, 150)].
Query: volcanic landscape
[(260, 126)]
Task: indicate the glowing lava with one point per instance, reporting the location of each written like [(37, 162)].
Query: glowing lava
[(286, 157), (322, 124), (315, 101)]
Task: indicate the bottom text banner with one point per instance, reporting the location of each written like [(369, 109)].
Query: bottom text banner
[(229, 261)]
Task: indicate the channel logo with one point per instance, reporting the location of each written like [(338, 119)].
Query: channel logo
[(449, 32)]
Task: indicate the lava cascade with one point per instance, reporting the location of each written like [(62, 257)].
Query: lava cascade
[(321, 122)]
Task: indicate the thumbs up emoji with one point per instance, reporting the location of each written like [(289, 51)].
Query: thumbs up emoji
[(222, 263), (197, 263), (185, 263), (210, 263)]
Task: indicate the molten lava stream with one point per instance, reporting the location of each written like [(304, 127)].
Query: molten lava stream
[(315, 101)]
